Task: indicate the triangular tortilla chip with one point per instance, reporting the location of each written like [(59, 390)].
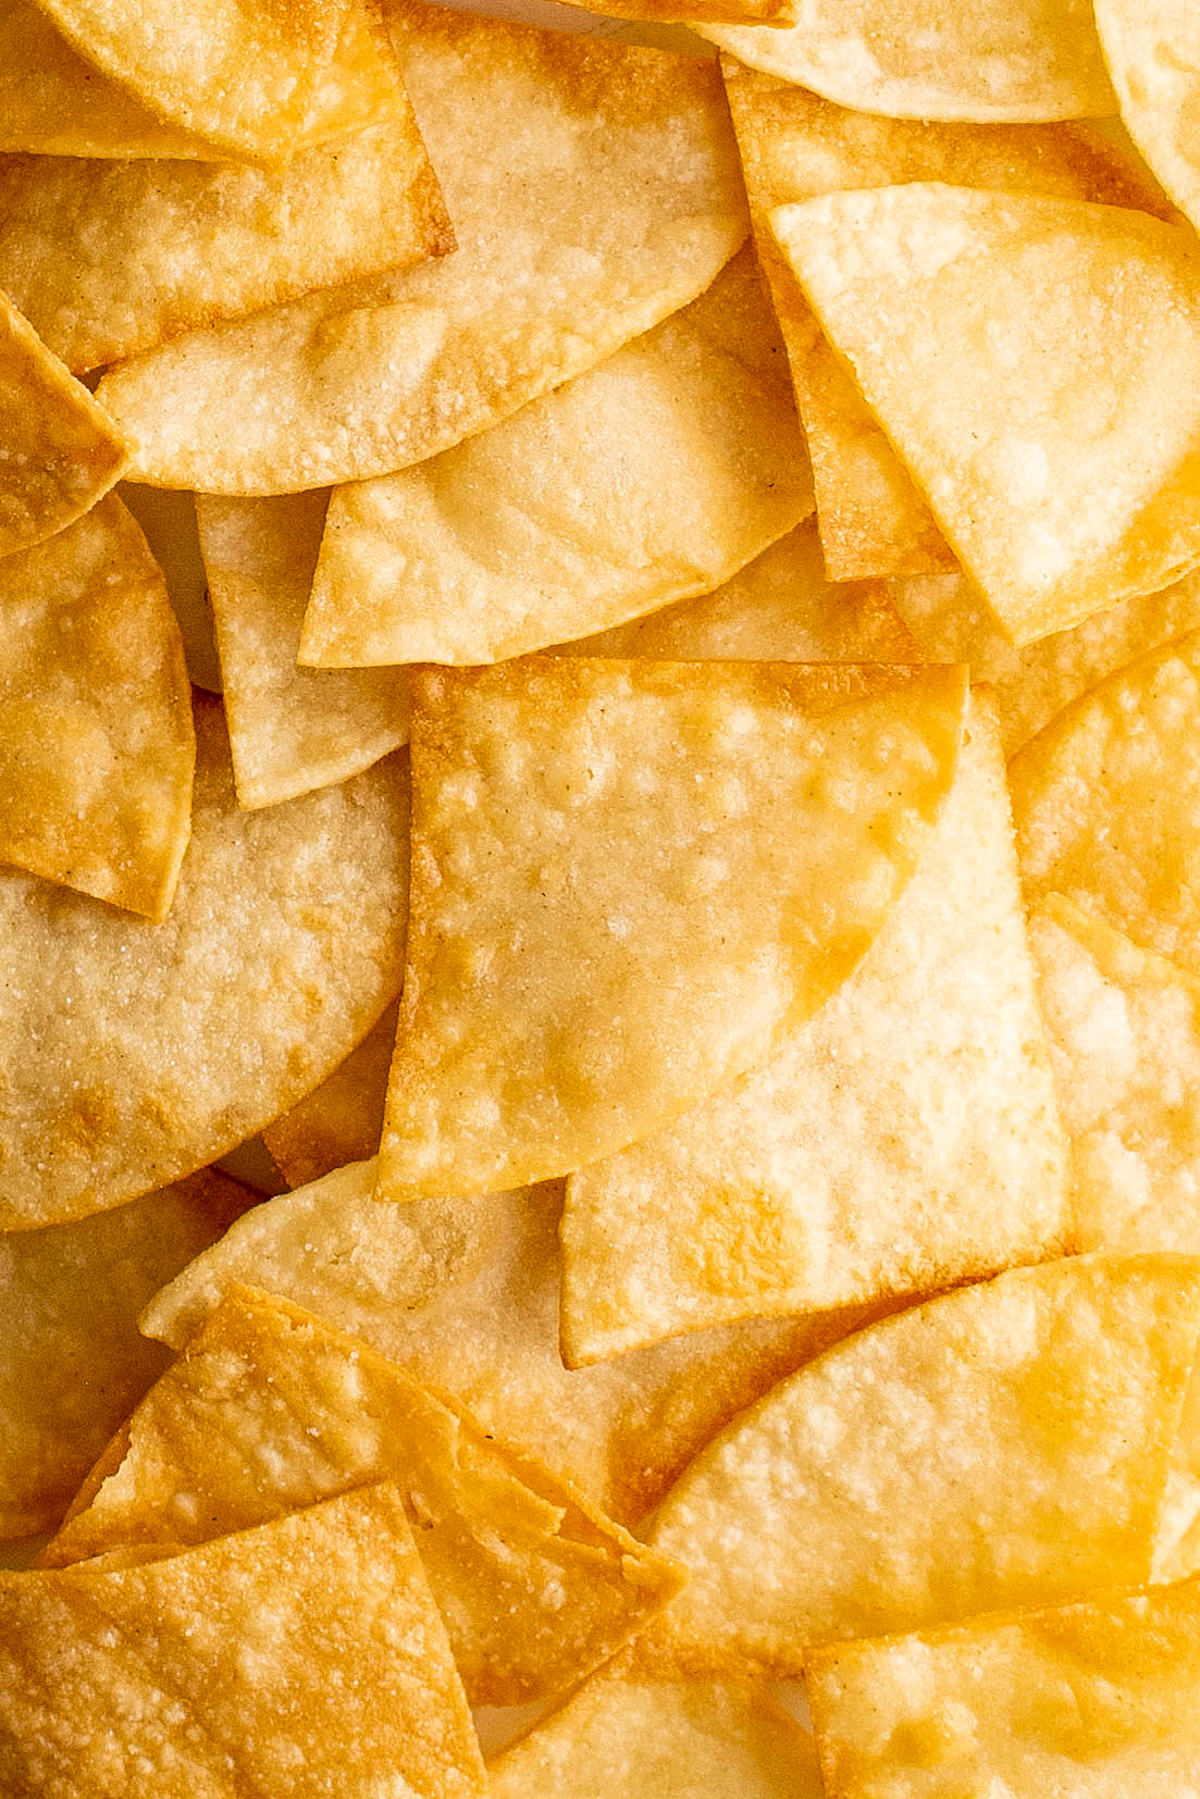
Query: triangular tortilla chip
[(466, 1298), (304, 1657), (1151, 50), (269, 1410), (1062, 465), (652, 477), (594, 189), (563, 997), (97, 747), (788, 1192), (341, 1120), (1007, 1444), (134, 1053), (290, 729), (1105, 803), (72, 1362)]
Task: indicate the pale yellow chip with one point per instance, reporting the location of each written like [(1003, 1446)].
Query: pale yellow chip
[(1105, 803), (290, 729), (951, 623), (1063, 465), (465, 1296), (1017, 60), (789, 1191), (562, 998), (650, 478), (72, 1362), (269, 1410), (134, 1053), (308, 1651), (341, 1120), (97, 746), (1095, 1699), (1004, 1445), (1151, 50)]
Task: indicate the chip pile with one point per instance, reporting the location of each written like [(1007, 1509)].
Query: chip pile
[(692, 881)]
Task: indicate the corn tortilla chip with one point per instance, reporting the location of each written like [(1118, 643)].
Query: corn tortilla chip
[(301, 1658), (560, 999), (1004, 1445), (527, 129), (652, 477), (290, 729), (97, 747), (1063, 466), (788, 1192), (341, 1120), (465, 1296), (134, 1053), (1151, 52)]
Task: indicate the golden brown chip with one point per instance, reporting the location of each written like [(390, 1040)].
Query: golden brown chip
[(341, 1120), (561, 997), (308, 1652), (594, 189), (133, 1053), (290, 729), (1150, 49), (1007, 1444)]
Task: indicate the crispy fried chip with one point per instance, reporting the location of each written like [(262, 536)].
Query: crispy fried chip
[(786, 1191), (465, 1296), (561, 998), (1093, 1699), (301, 1658), (97, 747), (917, 59), (269, 1410), (1151, 50), (71, 1360), (341, 1120), (650, 478), (1062, 465), (594, 189), (1105, 800), (133, 1053), (1004, 1445), (290, 729)]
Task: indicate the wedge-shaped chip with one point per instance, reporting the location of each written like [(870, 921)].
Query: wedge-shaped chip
[(97, 747), (303, 1658), (788, 1191), (108, 258), (650, 478), (1004, 1445), (562, 996), (951, 623), (1093, 1699), (134, 1053), (594, 189), (465, 1296), (1107, 803), (996, 59), (290, 729), (795, 146), (269, 1410), (1063, 465), (71, 1360), (1150, 48), (341, 1120)]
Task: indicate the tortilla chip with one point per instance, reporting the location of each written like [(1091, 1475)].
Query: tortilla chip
[(594, 189), (1017, 60), (341, 1120), (1105, 800), (466, 1298), (789, 1191), (308, 1650), (1094, 493), (290, 729), (72, 1362), (561, 998), (951, 623), (97, 747), (1150, 49), (652, 477), (134, 1053), (1090, 1699)]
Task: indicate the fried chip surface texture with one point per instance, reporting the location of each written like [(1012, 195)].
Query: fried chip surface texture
[(1150, 49), (341, 1120), (1004, 1445), (561, 998)]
